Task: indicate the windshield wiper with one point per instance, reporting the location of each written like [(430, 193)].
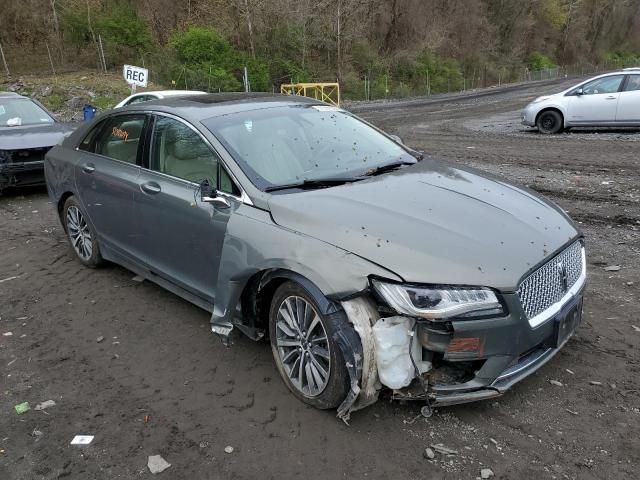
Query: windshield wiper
[(313, 183), (387, 168)]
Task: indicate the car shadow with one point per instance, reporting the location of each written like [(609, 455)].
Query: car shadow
[(590, 131), (23, 191)]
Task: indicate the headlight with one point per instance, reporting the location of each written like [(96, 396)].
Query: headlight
[(437, 303), (540, 99)]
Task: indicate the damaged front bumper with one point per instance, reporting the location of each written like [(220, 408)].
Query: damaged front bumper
[(487, 357), (481, 359), (22, 167)]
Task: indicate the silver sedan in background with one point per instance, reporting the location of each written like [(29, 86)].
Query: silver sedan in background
[(610, 100)]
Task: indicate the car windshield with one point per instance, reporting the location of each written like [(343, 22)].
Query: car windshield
[(292, 144), (15, 112)]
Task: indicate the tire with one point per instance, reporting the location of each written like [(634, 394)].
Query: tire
[(81, 235), (314, 388), (549, 122)]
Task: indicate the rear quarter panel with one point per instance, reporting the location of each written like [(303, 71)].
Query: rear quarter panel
[(59, 172)]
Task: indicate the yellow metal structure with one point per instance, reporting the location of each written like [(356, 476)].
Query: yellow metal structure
[(326, 92)]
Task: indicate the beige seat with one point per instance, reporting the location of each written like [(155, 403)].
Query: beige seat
[(187, 157)]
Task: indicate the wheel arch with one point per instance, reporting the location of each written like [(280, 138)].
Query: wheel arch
[(259, 289), (60, 206), (549, 109)]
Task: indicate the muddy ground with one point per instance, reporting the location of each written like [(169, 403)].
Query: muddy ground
[(159, 363)]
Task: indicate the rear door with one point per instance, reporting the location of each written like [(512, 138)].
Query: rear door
[(180, 236), (106, 178), (598, 103), (629, 102)]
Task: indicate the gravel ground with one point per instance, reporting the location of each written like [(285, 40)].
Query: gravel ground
[(157, 382)]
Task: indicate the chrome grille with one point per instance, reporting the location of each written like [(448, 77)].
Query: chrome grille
[(549, 283)]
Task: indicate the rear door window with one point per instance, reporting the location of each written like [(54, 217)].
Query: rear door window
[(88, 143), (633, 84), (120, 138)]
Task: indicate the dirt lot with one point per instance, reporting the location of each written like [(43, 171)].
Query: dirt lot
[(159, 360)]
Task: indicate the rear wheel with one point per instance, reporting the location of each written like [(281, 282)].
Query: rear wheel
[(549, 122), (306, 355), (82, 237)]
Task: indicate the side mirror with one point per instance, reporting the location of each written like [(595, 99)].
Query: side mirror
[(397, 139), (208, 194), (579, 92)]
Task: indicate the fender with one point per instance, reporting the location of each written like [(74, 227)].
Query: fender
[(327, 307)]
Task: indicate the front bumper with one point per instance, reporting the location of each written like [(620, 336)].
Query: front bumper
[(528, 116), (18, 174), (504, 351)]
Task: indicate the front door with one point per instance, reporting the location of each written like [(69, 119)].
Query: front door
[(107, 178), (629, 103), (180, 237), (598, 102)]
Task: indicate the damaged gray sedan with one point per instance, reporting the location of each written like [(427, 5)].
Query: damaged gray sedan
[(366, 265)]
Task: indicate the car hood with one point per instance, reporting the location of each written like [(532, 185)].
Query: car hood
[(433, 223), (33, 136)]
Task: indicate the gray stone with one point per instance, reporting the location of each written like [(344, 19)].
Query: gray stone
[(486, 473), (157, 464), (429, 454), (76, 102)]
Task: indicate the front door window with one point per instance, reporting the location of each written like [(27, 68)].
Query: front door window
[(179, 151), (603, 85)]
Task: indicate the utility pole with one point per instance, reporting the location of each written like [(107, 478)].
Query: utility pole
[(338, 41), (4, 61)]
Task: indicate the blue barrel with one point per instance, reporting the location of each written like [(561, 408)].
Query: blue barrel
[(89, 111)]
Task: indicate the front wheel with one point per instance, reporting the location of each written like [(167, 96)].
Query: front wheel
[(82, 237), (306, 355), (549, 122)]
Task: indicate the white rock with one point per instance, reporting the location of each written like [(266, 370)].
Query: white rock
[(486, 473), (157, 464), (428, 453), (228, 449), (556, 383), (44, 405)]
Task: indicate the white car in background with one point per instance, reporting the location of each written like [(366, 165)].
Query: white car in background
[(610, 100), (147, 96)]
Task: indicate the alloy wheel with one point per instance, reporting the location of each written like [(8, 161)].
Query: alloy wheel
[(79, 233), (303, 346)]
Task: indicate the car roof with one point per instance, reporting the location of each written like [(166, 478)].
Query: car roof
[(169, 93), (200, 107), (10, 95)]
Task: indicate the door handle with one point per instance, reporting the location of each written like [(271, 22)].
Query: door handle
[(151, 188), (611, 98), (88, 168)]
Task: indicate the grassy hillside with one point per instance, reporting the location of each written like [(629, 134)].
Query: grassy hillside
[(66, 94)]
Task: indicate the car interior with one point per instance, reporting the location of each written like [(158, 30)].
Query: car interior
[(122, 140)]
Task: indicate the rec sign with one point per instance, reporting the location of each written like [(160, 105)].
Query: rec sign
[(135, 75)]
